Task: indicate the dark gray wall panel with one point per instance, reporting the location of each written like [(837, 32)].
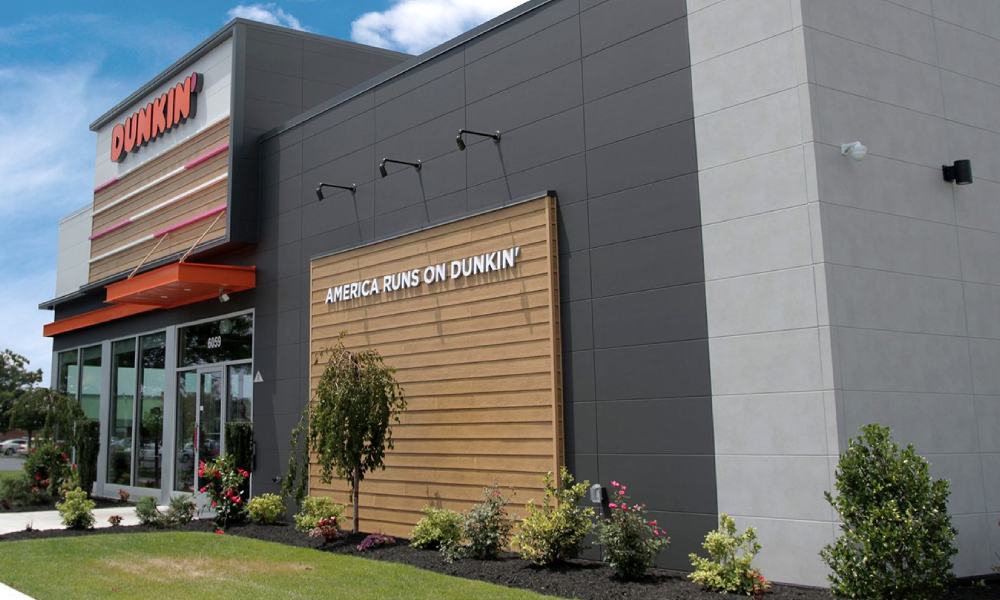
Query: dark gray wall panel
[(622, 162)]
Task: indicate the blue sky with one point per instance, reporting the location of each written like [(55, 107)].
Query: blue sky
[(63, 63)]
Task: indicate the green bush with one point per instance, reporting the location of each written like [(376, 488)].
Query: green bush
[(553, 532), (728, 567), (439, 528), (47, 468), (631, 541), (88, 446), (266, 509), (148, 514), (180, 511), (77, 510), (487, 526), (314, 509), (896, 538)]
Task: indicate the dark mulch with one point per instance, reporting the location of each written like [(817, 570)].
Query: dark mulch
[(101, 503), (578, 579)]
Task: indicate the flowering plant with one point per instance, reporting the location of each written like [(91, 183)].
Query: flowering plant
[(326, 529), (123, 495), (115, 520), (374, 541), (47, 468), (223, 482), (728, 567), (631, 540)]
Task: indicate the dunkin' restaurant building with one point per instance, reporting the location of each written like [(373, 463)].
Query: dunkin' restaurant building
[(653, 254)]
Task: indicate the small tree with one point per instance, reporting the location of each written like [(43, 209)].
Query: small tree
[(897, 540), (15, 381), (349, 421), (53, 413)]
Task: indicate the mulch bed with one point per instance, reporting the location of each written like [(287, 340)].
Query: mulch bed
[(586, 580)]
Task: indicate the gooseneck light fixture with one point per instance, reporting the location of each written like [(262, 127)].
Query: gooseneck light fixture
[(319, 189), (381, 166), (460, 138), (959, 173)]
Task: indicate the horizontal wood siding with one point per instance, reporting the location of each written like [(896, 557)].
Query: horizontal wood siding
[(478, 359), (199, 202)]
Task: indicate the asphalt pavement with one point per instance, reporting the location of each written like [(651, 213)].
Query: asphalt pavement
[(10, 463)]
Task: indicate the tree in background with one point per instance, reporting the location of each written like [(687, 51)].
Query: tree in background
[(348, 425), (15, 381), (55, 414)]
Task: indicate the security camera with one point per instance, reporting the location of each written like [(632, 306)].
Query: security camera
[(855, 150)]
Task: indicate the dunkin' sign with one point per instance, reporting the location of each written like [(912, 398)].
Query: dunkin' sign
[(173, 107)]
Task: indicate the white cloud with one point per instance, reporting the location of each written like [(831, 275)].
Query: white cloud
[(417, 25), (269, 13)]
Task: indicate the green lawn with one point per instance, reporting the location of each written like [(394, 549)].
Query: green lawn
[(9, 474), (181, 565)]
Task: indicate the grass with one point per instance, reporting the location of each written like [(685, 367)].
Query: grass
[(9, 474), (181, 565)]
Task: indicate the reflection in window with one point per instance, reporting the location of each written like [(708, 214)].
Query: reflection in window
[(122, 405), (187, 403), (217, 341), (152, 359), (90, 382), (240, 402), (68, 373)]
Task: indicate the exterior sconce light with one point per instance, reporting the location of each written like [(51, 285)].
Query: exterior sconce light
[(959, 173), (855, 150), (460, 140), (599, 496), (319, 189), (381, 166)]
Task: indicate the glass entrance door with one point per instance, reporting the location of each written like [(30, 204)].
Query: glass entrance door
[(199, 423)]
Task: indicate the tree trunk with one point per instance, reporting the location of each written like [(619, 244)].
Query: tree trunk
[(354, 498)]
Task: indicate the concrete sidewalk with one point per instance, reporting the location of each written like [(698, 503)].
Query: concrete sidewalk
[(49, 519), (9, 593)]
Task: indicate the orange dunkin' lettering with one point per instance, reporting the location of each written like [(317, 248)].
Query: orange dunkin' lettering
[(168, 110)]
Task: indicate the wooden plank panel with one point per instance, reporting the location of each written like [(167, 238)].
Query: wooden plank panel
[(201, 201), (477, 358)]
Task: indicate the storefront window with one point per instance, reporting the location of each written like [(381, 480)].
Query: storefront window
[(152, 359), (187, 404), (240, 402), (68, 372), (90, 382), (219, 341), (122, 410)]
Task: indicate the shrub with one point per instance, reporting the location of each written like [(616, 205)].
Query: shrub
[(16, 491), (314, 509), (896, 538), (223, 482), (147, 512), (180, 511), (375, 540), (115, 520), (439, 528), (487, 526), (77, 510), (47, 467), (728, 567), (123, 496), (631, 541), (88, 446), (326, 529), (554, 531), (266, 509)]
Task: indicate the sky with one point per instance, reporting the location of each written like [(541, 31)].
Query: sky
[(64, 62)]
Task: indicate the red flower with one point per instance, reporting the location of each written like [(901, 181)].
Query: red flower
[(612, 505), (219, 532), (214, 503)]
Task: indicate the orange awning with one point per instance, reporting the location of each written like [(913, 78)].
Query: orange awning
[(169, 286)]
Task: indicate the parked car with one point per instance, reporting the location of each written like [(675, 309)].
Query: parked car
[(14, 446)]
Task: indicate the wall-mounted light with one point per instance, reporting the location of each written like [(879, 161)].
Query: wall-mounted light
[(959, 173), (856, 150), (460, 139), (319, 189), (381, 166)]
